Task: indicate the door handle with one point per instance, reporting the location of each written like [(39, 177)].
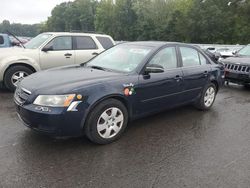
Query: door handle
[(178, 78), (67, 54), (205, 73), (95, 53)]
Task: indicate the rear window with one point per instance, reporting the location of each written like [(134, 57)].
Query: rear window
[(1, 40), (105, 42), (85, 43)]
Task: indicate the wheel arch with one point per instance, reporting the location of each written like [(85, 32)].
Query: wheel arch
[(118, 97), (216, 84), (21, 64)]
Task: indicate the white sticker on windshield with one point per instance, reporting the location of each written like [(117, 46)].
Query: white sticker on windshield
[(139, 51)]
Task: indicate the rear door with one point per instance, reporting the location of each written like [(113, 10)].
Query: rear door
[(61, 53), (196, 70), (85, 48), (158, 91)]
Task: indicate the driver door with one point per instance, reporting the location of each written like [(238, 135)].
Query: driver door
[(158, 91), (58, 52)]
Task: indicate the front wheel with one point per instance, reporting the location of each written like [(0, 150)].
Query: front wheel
[(207, 98), (106, 122), (14, 75)]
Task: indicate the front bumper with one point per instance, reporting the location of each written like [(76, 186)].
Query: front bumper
[(235, 77), (56, 122)]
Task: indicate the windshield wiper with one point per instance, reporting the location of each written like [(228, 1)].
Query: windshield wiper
[(20, 42), (98, 67)]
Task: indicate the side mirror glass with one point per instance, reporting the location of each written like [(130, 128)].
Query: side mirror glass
[(47, 48), (154, 68)]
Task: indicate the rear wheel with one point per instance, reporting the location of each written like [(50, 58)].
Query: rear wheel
[(106, 122), (15, 74), (205, 102)]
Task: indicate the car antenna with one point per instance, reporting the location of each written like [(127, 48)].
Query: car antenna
[(16, 38)]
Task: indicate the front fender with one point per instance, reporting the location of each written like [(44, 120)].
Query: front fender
[(102, 93), (9, 61)]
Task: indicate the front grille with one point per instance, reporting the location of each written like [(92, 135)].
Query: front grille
[(237, 68), (21, 95)]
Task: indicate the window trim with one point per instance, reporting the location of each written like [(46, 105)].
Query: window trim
[(75, 43), (198, 52), (58, 37), (3, 41), (156, 52)]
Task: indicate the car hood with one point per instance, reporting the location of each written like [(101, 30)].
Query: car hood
[(13, 51), (244, 60), (66, 79)]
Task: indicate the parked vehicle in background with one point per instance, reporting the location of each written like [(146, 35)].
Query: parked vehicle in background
[(5, 41), (212, 56), (22, 40), (128, 81), (224, 52), (49, 50), (237, 68), (211, 49)]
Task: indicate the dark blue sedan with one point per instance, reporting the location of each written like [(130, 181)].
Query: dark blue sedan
[(128, 81)]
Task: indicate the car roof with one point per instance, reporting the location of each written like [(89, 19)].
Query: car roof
[(76, 34)]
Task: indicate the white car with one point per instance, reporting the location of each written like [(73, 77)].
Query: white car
[(49, 50)]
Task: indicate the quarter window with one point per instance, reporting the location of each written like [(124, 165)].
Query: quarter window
[(202, 59), (1, 40), (61, 43), (166, 58), (85, 43), (189, 56), (105, 42)]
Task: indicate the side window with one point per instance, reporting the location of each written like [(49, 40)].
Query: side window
[(189, 56), (105, 42), (203, 60), (85, 43), (166, 58), (1, 40), (61, 43)]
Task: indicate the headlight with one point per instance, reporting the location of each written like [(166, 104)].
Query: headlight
[(54, 100)]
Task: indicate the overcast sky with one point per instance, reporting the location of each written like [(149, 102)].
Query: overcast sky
[(27, 11)]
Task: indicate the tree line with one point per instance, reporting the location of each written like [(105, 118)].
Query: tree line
[(21, 29), (192, 21)]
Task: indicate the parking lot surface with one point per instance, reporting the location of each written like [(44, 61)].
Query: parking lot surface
[(177, 148)]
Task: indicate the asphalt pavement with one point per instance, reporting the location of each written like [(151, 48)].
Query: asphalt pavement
[(183, 147)]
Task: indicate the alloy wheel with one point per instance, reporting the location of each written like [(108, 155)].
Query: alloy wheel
[(110, 122), (18, 76), (209, 96)]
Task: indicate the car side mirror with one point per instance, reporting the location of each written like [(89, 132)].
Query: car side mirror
[(234, 52), (47, 48), (154, 68)]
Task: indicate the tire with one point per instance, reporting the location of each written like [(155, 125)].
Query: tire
[(202, 103), (247, 86), (100, 125), (9, 76)]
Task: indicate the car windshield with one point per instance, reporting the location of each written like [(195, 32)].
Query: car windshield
[(121, 58), (37, 41), (245, 51)]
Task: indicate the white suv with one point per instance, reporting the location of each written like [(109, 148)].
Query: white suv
[(49, 50)]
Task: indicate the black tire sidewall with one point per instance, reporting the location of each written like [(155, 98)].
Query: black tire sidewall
[(201, 102), (9, 73), (91, 123)]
